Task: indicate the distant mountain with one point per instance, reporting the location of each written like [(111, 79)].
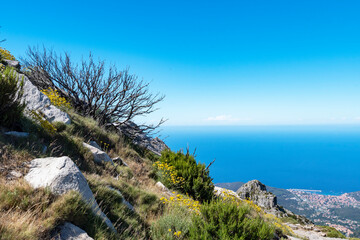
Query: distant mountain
[(341, 212), (284, 197)]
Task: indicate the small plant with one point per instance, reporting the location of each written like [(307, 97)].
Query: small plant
[(11, 91), (45, 124), (185, 202), (5, 54), (56, 99), (173, 224)]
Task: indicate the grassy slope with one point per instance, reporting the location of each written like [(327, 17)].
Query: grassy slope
[(19, 222)]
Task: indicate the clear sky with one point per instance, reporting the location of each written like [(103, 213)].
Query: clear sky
[(217, 62)]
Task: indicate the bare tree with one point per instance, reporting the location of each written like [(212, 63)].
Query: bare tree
[(108, 95)]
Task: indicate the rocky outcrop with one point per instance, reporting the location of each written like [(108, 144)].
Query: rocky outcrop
[(37, 101), (62, 175), (99, 155), (223, 192), (11, 63), (256, 191), (130, 129), (69, 231)]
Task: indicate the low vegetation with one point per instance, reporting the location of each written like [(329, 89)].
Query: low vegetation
[(11, 108), (181, 172), (126, 193), (331, 232)]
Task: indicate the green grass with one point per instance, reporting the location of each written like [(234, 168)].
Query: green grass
[(175, 218), (332, 232)]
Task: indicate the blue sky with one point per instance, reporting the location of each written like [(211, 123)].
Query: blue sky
[(217, 62)]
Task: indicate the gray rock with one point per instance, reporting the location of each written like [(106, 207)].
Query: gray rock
[(62, 175), (69, 231), (36, 100), (163, 189), (220, 192), (120, 161), (94, 144), (15, 174), (256, 191), (140, 138), (17, 134), (99, 156), (11, 63)]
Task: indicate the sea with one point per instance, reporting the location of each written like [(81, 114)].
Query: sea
[(325, 158)]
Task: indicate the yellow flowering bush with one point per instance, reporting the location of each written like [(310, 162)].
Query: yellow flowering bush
[(228, 197), (45, 124), (56, 99), (168, 172), (182, 172), (6, 54), (180, 200)]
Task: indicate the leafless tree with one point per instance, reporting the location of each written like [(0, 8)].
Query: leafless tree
[(108, 95)]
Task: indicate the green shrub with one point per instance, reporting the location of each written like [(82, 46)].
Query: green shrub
[(5, 54), (332, 232), (11, 90), (176, 220), (181, 171), (224, 220)]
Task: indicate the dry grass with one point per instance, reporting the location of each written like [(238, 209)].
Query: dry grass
[(27, 213), (22, 210), (15, 224)]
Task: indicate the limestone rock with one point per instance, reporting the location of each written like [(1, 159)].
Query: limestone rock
[(69, 231), (16, 174), (17, 134), (99, 155), (94, 144), (62, 175), (163, 189), (222, 192), (36, 100), (139, 138), (256, 192), (120, 161), (11, 63)]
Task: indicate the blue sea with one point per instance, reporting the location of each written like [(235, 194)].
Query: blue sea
[(325, 158)]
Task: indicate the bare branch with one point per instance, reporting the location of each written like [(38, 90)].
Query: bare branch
[(108, 95)]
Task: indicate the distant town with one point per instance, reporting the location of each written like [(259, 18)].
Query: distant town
[(340, 212)]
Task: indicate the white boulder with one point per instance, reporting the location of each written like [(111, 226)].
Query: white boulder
[(99, 155), (222, 192), (163, 189), (36, 100), (69, 231), (62, 175)]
